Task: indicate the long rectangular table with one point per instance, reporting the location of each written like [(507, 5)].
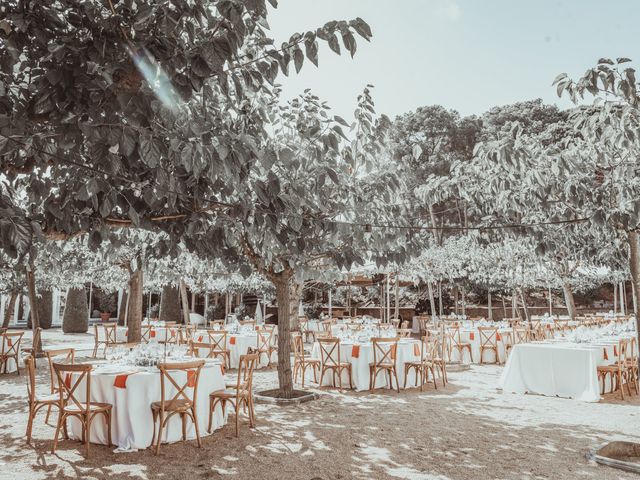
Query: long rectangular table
[(554, 369)]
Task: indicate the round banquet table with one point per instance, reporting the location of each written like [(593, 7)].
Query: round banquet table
[(238, 345), (131, 390), (472, 336), (360, 355)]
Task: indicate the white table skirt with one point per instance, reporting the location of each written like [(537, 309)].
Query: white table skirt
[(132, 422), (553, 369), (360, 365), (472, 336)]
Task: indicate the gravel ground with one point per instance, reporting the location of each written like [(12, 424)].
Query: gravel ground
[(467, 430)]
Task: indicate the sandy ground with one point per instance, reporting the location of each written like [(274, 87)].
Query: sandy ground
[(467, 431)]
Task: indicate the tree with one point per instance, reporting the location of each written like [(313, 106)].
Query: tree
[(76, 311)]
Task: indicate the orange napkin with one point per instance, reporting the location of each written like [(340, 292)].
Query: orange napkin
[(393, 351), (126, 332), (222, 368), (606, 355), (191, 378), (9, 342), (257, 327), (355, 351), (232, 340), (121, 381), (173, 333), (615, 350), (200, 338), (472, 336), (416, 350), (498, 337), (153, 334)]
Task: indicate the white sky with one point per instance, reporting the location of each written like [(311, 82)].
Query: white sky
[(468, 55)]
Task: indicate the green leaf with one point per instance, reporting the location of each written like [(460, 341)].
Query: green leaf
[(298, 59)]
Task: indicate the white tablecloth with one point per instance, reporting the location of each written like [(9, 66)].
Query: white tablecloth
[(132, 422), (553, 369), (408, 351)]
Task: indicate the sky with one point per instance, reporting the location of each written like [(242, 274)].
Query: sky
[(466, 55)]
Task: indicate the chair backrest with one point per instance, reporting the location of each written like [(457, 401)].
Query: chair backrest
[(36, 337), (146, 333), (171, 375), (31, 378), (297, 346), (195, 347), (395, 322), (110, 332), (218, 339), (521, 335), (265, 338), (60, 355), (246, 367), (69, 385), (329, 351), (405, 324), (11, 343), (623, 345), (326, 325), (218, 323), (303, 322), (170, 324), (488, 336), (384, 350), (453, 333), (185, 333), (404, 332)]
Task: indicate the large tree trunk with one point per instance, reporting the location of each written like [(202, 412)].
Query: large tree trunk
[(170, 304), (45, 309), (568, 300), (185, 303), (33, 307), (9, 309), (134, 312), (122, 313), (634, 267), (432, 301), (489, 306), (282, 283), (76, 312), (295, 294), (524, 304)]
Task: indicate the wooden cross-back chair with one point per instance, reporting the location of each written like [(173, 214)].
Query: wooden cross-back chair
[(330, 361), (219, 345), (60, 355), (305, 329), (185, 334), (455, 342), (521, 335), (384, 360), (248, 322), (170, 324), (10, 350), (265, 344), (110, 337), (300, 360), (489, 337), (179, 376), (618, 371), (70, 380), (423, 366), (240, 394), (37, 402)]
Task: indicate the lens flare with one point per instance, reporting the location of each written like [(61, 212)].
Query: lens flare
[(156, 77)]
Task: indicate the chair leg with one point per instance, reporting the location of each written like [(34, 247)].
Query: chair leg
[(95, 351), (160, 428), (154, 416), (107, 417), (322, 370), (183, 419), (87, 434), (304, 369), (46, 419), (32, 414), (197, 427), (395, 374), (237, 417), (61, 418)]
